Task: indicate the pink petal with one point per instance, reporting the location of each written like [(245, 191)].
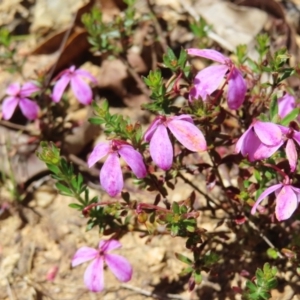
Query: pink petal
[(83, 254), (209, 79), (183, 117), (296, 137), (86, 74), (60, 87), (111, 177), (120, 266), (29, 108), (285, 105), (291, 154), (269, 133), (99, 152), (263, 195), (109, 245), (9, 106), (196, 94), (94, 275), (81, 90), (209, 54), (286, 203), (263, 151), (188, 135), (237, 89), (134, 160), (161, 149), (248, 144), (240, 143), (13, 89), (151, 129), (28, 89)]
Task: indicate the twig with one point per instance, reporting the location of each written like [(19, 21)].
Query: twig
[(253, 226), (22, 128), (158, 28), (61, 48), (153, 295), (141, 85)]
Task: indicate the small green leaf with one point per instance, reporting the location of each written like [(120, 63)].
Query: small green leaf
[(290, 117), (63, 189), (76, 206), (198, 277), (183, 258), (273, 107), (175, 207), (272, 253)]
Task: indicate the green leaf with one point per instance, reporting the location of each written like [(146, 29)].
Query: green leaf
[(175, 208), (273, 107), (290, 117), (272, 253), (76, 206), (183, 258), (63, 189), (198, 277)]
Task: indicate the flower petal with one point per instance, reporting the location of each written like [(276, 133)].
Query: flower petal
[(240, 143), (86, 74), (81, 90), (111, 177), (161, 149), (9, 106), (237, 89), (264, 194), (29, 108), (109, 245), (94, 275), (188, 135), (291, 154), (285, 105), (83, 254), (269, 133), (60, 87), (134, 160), (296, 137), (28, 89), (209, 54), (286, 203), (13, 89), (209, 79), (263, 151), (151, 129), (99, 152), (120, 266), (183, 117)]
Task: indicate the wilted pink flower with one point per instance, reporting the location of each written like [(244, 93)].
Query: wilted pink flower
[(287, 199), (285, 105), (183, 129), (111, 177), (210, 78), (94, 274), (19, 96), (80, 88), (261, 140)]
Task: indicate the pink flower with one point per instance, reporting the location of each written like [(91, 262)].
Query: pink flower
[(183, 129), (285, 105), (210, 78), (18, 96), (261, 140), (111, 177), (287, 199), (80, 88), (291, 137), (93, 276)]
